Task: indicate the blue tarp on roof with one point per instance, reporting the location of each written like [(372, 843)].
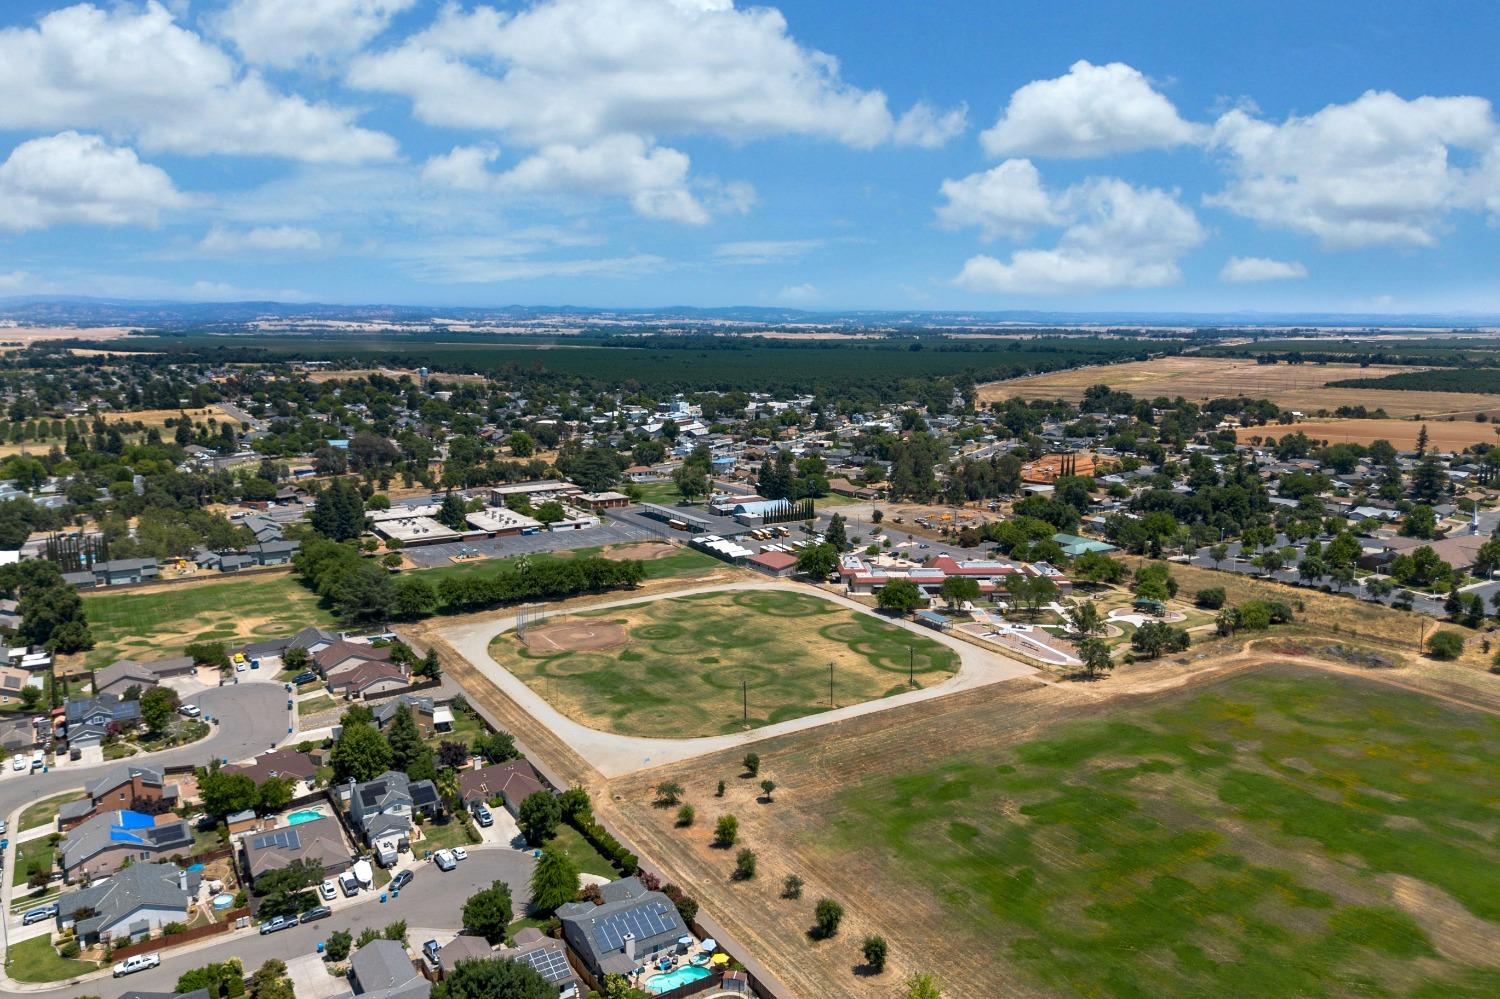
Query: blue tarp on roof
[(127, 819)]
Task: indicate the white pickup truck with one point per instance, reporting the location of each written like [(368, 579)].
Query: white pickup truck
[(140, 962)]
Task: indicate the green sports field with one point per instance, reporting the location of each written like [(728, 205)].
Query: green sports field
[(684, 666), (1288, 834)]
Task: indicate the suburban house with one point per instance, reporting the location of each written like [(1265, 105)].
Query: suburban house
[(114, 573), (88, 719), (124, 787), (513, 780), (344, 654), (102, 844), (12, 682), (777, 564), (17, 734), (320, 840), (134, 902), (627, 930), (461, 948), (546, 956), (277, 763), (368, 679), (382, 970), (314, 640), (421, 709), (382, 808), (118, 678)]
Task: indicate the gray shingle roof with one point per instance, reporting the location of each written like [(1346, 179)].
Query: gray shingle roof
[(116, 897)]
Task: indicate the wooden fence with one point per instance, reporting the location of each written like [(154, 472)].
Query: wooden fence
[(225, 924)]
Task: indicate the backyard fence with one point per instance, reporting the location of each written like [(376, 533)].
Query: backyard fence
[(224, 925)]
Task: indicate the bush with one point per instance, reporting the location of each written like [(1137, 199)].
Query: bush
[(1211, 598), (752, 764), (69, 950), (1446, 645), (726, 832), (791, 886), (338, 946), (173, 928), (874, 950), (744, 865), (686, 816)]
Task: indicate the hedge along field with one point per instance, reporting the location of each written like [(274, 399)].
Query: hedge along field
[(680, 672), (1287, 834)]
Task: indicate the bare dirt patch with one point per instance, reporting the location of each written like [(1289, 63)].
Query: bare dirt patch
[(646, 551), (1455, 931), (1300, 387), (576, 636)]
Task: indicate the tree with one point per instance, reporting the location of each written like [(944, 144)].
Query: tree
[(340, 942), (817, 561), (415, 597), (752, 764), (404, 738), (222, 980), (691, 481), (224, 794), (1030, 592), (874, 951), (295, 657), (1083, 618), (1095, 656), (497, 747), (521, 444), (900, 595), (339, 513), (959, 589), (744, 865), (454, 512), (453, 754), (495, 978), (668, 793), (274, 794), (554, 880), (837, 534), (791, 886), (618, 986), (270, 981), (726, 831), (767, 786), (538, 817), (1211, 598), (550, 512), (1156, 638), (157, 705), (488, 912), (1446, 645), (686, 816), (1096, 567), (923, 986), (1154, 582), (360, 754), (826, 918)]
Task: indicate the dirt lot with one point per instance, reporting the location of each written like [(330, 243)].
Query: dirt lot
[(577, 636), (1298, 387), (1442, 434), (647, 551)]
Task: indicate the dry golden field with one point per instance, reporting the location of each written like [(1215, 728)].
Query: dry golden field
[(1442, 434), (1299, 386)]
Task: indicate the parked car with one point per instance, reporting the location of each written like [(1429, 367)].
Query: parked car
[(327, 890), (278, 924), (350, 885), (444, 860), (38, 914), (401, 880), (18, 762), (139, 962), (190, 710), (483, 817), (459, 853), (307, 677), (38, 761), (432, 949), (239, 667), (314, 914)]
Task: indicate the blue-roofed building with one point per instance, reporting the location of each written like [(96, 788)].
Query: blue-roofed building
[(101, 845)]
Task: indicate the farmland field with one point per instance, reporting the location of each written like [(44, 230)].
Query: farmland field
[(1291, 386), (1442, 434), (1283, 832), (675, 667)]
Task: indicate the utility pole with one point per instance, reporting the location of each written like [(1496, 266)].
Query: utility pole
[(911, 666), (830, 683), (745, 700)]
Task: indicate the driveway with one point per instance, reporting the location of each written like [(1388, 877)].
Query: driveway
[(613, 755), (433, 899)]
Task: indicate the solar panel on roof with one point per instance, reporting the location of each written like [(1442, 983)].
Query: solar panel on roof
[(284, 838), (644, 921), (549, 963)]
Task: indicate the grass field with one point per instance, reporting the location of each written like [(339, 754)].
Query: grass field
[(44, 812), (150, 624), (36, 960), (680, 670), (1290, 386), (1276, 835)]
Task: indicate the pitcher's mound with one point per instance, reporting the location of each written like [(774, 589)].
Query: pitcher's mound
[(579, 636)]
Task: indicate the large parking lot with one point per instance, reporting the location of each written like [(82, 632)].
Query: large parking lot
[(608, 533)]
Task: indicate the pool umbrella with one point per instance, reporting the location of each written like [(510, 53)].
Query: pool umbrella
[(684, 941), (720, 959), (709, 944)]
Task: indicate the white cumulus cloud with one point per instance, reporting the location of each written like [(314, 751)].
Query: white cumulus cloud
[(1006, 201), (80, 179), (133, 71), (1244, 270), (264, 239), (285, 33), (1090, 111), (1117, 236), (1378, 170)]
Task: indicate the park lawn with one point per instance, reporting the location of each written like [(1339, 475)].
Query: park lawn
[(722, 662), (36, 960), (660, 492), (44, 812), (587, 859), (1282, 834), (155, 623)]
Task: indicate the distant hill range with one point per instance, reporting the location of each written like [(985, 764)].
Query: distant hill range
[(169, 315)]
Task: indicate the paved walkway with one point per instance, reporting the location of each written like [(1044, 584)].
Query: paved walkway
[(613, 755)]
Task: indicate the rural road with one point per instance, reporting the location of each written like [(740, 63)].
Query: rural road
[(250, 718), (613, 755)]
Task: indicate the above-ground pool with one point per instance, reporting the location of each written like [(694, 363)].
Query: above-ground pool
[(673, 979), (223, 901), (304, 815)]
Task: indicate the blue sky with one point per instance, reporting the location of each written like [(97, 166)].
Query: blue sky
[(1088, 156)]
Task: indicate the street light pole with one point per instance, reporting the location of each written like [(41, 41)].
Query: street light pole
[(911, 666), (830, 683)]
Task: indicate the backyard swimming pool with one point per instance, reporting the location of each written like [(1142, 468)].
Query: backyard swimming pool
[(673, 979), (304, 815)]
